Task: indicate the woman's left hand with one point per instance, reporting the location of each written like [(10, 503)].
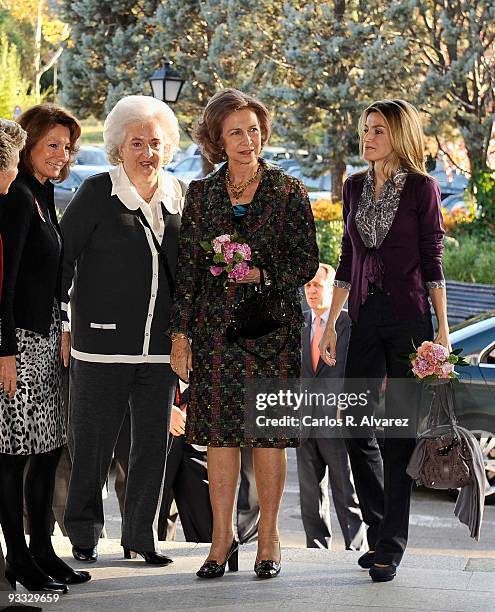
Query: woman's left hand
[(65, 348), (253, 276), (443, 338)]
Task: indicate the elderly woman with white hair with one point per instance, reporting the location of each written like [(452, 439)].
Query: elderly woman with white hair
[(120, 236)]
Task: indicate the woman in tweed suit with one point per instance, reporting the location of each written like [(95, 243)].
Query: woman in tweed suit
[(272, 211)]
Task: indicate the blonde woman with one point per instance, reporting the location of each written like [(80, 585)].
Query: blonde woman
[(390, 264)]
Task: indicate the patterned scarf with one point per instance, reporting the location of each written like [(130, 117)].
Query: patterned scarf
[(374, 219)]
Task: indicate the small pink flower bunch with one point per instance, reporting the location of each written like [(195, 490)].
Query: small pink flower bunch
[(229, 253), (433, 361)]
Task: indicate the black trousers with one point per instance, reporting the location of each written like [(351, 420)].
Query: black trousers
[(379, 343), (248, 507), (186, 482), (101, 394)]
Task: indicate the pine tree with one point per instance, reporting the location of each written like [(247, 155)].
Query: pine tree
[(104, 58), (452, 54), (320, 95)]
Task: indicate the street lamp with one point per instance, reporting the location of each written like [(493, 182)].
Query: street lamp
[(166, 83)]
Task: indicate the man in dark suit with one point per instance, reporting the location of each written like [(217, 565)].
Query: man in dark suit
[(322, 460)]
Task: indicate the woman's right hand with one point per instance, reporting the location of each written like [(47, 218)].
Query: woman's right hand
[(8, 375), (328, 345), (177, 421), (181, 358)]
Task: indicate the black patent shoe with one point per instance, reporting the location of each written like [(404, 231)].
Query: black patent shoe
[(212, 569), (33, 579), (383, 574), (267, 568), (60, 571), (88, 555), (367, 560), (153, 558)]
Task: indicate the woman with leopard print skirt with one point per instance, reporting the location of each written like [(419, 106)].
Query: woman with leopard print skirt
[(32, 428)]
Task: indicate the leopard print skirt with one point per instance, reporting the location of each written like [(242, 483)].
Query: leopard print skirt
[(33, 422)]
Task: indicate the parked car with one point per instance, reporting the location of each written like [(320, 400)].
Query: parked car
[(187, 169), (475, 392), (454, 202), (64, 191), (286, 164), (320, 183), (91, 155)]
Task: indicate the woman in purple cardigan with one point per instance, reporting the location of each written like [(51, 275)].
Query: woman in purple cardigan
[(390, 263)]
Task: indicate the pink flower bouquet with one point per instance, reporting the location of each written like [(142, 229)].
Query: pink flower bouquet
[(433, 362), (229, 254)]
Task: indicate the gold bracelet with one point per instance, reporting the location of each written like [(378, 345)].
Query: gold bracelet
[(178, 336)]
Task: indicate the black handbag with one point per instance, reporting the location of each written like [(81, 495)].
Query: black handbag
[(264, 312)]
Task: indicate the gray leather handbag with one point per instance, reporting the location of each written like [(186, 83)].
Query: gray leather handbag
[(445, 453)]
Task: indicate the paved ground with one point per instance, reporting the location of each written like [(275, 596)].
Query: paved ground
[(310, 580), (443, 570)]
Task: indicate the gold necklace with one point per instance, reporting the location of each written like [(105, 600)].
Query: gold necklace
[(238, 190)]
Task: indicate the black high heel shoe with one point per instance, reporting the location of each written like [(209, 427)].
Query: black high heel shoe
[(383, 574), (88, 555), (152, 557), (60, 571), (212, 569), (367, 560), (267, 568), (33, 580)]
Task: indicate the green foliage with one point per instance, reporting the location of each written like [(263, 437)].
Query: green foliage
[(329, 236), (482, 185), (316, 64), (92, 131), (471, 260), (109, 53), (17, 34), (449, 67), (13, 87)]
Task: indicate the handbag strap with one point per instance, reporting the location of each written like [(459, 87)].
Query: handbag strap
[(443, 401), (161, 253)]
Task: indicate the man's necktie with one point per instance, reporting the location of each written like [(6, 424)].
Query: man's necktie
[(315, 351)]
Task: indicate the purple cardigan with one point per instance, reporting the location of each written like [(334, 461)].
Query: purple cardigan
[(411, 252)]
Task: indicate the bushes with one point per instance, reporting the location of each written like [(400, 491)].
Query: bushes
[(470, 259), (328, 236), (329, 227)]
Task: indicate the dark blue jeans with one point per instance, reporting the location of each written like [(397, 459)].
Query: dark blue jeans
[(378, 345)]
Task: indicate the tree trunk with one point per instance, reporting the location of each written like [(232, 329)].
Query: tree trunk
[(337, 174), (37, 52)]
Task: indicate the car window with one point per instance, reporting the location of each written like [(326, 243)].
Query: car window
[(90, 157), (185, 165), (489, 356)]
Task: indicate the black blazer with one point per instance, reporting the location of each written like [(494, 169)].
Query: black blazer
[(32, 256), (108, 263), (343, 329)]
